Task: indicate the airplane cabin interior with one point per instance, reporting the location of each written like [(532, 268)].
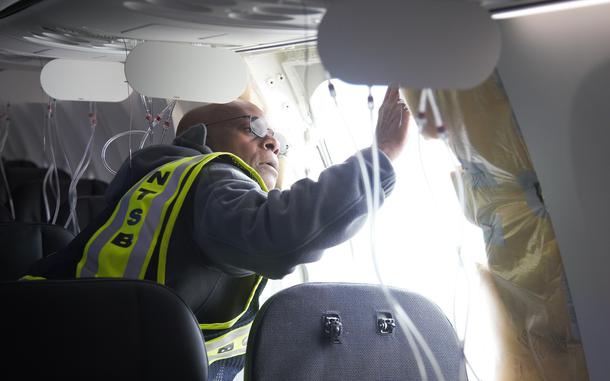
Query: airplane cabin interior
[(487, 262)]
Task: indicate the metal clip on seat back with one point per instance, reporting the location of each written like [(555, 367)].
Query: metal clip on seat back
[(332, 327), (385, 323)]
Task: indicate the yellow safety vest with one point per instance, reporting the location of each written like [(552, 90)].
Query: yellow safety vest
[(140, 228)]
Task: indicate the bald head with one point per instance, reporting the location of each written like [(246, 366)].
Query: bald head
[(215, 112)]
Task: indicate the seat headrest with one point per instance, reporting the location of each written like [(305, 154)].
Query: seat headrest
[(91, 187), (344, 331), (19, 163), (87, 208), (99, 329), (29, 200)]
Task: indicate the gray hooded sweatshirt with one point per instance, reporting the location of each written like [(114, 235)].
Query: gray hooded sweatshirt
[(229, 229)]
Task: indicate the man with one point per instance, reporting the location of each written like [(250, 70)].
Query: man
[(202, 222)]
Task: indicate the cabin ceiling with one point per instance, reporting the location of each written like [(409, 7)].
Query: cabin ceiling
[(35, 31)]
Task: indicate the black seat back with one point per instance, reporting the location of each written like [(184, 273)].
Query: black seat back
[(335, 331), (19, 163), (99, 329), (26, 188), (24, 243), (87, 208), (91, 187)]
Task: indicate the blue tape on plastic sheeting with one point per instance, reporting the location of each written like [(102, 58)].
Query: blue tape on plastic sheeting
[(532, 192), (479, 176), (493, 233)]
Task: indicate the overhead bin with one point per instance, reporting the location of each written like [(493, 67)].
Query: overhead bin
[(186, 72), (76, 80)]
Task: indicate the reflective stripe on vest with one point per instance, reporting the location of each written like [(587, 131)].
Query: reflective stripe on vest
[(229, 345), (140, 224), (234, 342), (134, 226)]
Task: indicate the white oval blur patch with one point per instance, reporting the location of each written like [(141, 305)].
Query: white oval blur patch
[(76, 80), (443, 44), (185, 72)]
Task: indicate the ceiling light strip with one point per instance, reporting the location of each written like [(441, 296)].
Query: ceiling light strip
[(546, 7), (278, 45)]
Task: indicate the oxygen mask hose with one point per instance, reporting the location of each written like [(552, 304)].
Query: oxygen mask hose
[(47, 173), (60, 141), (52, 175), (413, 336), (459, 180), (428, 99), (111, 140), (362, 164), (152, 123), (149, 119), (80, 170), (167, 119), (164, 117), (441, 132), (3, 139)]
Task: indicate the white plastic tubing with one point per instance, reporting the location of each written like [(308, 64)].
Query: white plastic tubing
[(3, 139), (80, 170), (162, 118), (414, 337)]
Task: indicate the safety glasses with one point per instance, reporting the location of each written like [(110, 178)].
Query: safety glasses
[(259, 128)]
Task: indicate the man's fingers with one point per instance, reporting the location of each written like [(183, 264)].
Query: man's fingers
[(387, 95), (391, 92)]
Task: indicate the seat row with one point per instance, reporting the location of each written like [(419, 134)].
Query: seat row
[(24, 188), (122, 329), (119, 329)]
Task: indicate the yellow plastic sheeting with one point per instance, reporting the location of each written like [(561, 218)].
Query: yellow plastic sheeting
[(524, 268)]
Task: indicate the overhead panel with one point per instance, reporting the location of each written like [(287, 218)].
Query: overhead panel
[(74, 80), (110, 27), (186, 72), (418, 43)]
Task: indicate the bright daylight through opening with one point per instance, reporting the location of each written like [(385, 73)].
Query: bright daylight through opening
[(421, 231)]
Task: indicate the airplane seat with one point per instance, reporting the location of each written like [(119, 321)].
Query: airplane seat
[(19, 163), (17, 173), (99, 329), (90, 202), (29, 201), (5, 211), (87, 207), (24, 243), (17, 176), (26, 189), (91, 187), (341, 331)]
